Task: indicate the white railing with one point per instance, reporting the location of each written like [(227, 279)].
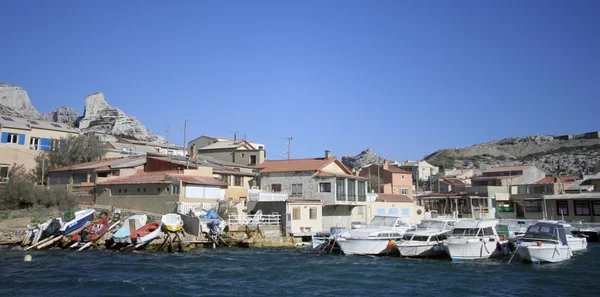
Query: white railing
[(186, 207), (262, 219), (259, 195)]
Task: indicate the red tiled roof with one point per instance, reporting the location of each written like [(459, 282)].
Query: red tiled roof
[(395, 169), (199, 180), (508, 168), (297, 165), (565, 179), (98, 164), (394, 198), (453, 181), (139, 177)]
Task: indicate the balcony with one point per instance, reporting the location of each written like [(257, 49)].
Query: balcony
[(258, 195)]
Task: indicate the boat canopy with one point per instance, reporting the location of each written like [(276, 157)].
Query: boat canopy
[(475, 224), (549, 231), (387, 221)]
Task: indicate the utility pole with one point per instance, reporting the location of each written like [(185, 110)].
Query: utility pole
[(289, 139), (184, 134), (167, 131), (43, 165)]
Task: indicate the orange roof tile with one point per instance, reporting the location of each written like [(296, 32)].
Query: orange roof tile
[(394, 198), (395, 169), (139, 177), (565, 179)]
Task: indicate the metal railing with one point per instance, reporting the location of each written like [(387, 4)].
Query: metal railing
[(186, 207), (259, 195), (262, 219)]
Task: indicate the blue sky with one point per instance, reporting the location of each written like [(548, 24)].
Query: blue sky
[(404, 78)]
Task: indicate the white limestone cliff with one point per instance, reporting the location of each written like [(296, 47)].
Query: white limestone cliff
[(17, 100)]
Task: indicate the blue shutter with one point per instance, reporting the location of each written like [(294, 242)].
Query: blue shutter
[(406, 211), (4, 137), (21, 139), (45, 144), (381, 211), (394, 211)]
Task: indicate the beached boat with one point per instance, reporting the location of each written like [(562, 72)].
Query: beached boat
[(172, 222), (377, 238), (36, 233), (210, 221), (475, 239), (131, 224), (145, 234), (92, 232), (426, 240), (545, 242), (81, 217)]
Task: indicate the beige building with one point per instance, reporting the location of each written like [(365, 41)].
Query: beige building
[(241, 152), (22, 140), (396, 205), (298, 217), (421, 170)]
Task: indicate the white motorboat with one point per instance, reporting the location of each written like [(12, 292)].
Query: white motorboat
[(545, 242), (210, 221), (131, 224), (426, 240), (475, 239), (377, 238), (171, 222), (576, 243)]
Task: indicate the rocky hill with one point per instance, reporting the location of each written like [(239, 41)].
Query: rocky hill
[(98, 115), (366, 157), (571, 154)]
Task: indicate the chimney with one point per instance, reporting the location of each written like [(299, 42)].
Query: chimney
[(193, 151), (327, 154), (386, 164)]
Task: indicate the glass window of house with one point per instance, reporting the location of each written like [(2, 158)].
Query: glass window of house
[(12, 138), (582, 208), (312, 213), (296, 189), (34, 143), (296, 213), (562, 208), (3, 173), (276, 188), (252, 160), (404, 191), (238, 181), (325, 187), (596, 207)]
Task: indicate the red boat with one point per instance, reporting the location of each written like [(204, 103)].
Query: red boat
[(145, 234), (92, 232)]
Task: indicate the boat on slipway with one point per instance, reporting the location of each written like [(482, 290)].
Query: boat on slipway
[(545, 242), (171, 222), (131, 224), (377, 238), (427, 239), (81, 217), (145, 234), (475, 239)]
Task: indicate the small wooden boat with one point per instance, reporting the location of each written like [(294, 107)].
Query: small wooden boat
[(145, 234), (81, 217), (131, 224), (92, 232), (172, 222)]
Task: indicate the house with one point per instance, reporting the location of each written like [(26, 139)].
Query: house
[(241, 152), (584, 206), (397, 205), (458, 205), (299, 218), (327, 180), (124, 147), (450, 185), (23, 139), (463, 175), (526, 200), (158, 191), (495, 182), (388, 179), (421, 170)]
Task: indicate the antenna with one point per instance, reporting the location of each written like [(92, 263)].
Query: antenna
[(167, 131), (289, 140)]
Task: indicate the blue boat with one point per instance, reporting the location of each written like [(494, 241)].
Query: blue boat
[(81, 217)]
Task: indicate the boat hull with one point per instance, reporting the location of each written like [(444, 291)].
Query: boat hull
[(94, 232), (420, 249), (577, 244), (171, 222), (545, 253), (472, 249), (129, 225), (365, 246), (145, 234), (81, 217)]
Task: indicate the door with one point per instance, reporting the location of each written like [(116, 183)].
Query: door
[(520, 211)]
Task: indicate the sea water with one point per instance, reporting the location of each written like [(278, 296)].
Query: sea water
[(285, 272)]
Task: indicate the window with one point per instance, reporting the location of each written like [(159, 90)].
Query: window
[(276, 188), (533, 206), (3, 174), (325, 187), (138, 190), (404, 191), (238, 181), (226, 179), (340, 190), (312, 214), (505, 207), (253, 160), (297, 189), (8, 119), (393, 211), (582, 208), (34, 143), (144, 190), (381, 211), (158, 190), (361, 191), (54, 144), (296, 213), (595, 207), (119, 191), (562, 208), (175, 190), (125, 190), (33, 123), (12, 138), (402, 176), (394, 190), (406, 212)]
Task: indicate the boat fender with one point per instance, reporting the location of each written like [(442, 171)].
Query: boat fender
[(390, 244), (437, 248)]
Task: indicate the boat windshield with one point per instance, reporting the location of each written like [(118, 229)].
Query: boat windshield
[(385, 222), (431, 225), (541, 232), (473, 231)]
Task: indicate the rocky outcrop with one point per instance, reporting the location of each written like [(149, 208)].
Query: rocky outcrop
[(366, 157), (61, 115), (554, 154), (17, 100), (101, 117)]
